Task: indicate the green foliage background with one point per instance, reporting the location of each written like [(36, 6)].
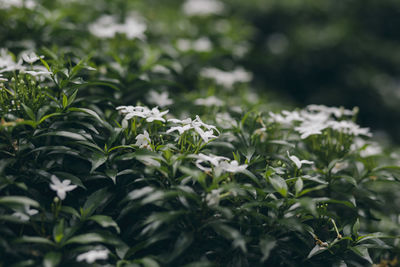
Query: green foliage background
[(153, 205)]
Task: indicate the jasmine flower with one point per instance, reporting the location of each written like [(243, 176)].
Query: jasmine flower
[(202, 7), (297, 161), (143, 112), (209, 101), (143, 140), (93, 255), (107, 27), (195, 124), (160, 99), (227, 78), (232, 166), (24, 216), (30, 57), (61, 187)]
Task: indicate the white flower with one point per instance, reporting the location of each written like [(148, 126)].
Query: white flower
[(93, 255), (143, 112), (30, 57), (226, 78), (349, 127), (220, 163), (212, 198), (338, 112), (7, 62), (310, 128), (143, 140), (7, 4), (202, 7), (212, 159), (202, 44), (159, 99), (209, 101), (61, 187), (225, 120), (232, 166), (299, 162), (156, 115), (107, 27), (286, 119), (24, 216), (195, 124)]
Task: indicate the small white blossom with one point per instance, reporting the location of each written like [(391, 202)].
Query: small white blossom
[(61, 187), (30, 57), (212, 159), (202, 44), (202, 7), (25, 216), (107, 27), (7, 4), (7, 62), (196, 124), (209, 101), (142, 112), (213, 198), (93, 255), (225, 120), (159, 99), (143, 140), (227, 78), (232, 166), (298, 162), (220, 163), (307, 129)]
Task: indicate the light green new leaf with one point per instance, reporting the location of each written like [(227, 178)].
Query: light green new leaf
[(279, 184)]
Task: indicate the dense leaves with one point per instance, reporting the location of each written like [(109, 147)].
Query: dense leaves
[(132, 143)]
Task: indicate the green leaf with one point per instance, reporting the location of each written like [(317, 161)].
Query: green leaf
[(298, 186), (18, 200), (97, 160), (316, 250), (74, 136), (372, 236), (95, 200), (64, 100), (35, 240), (105, 221), (52, 259), (266, 246), (45, 64), (29, 112), (71, 99), (58, 231), (356, 227), (112, 174), (89, 238), (48, 116), (362, 251), (279, 184)]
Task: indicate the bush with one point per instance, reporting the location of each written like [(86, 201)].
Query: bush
[(131, 144)]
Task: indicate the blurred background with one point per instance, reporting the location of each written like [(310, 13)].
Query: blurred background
[(329, 52), (337, 53)]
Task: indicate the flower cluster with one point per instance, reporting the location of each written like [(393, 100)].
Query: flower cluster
[(205, 131), (107, 27), (227, 78), (316, 118), (219, 163), (150, 115)]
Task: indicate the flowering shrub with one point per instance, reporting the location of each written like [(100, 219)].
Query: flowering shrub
[(143, 155)]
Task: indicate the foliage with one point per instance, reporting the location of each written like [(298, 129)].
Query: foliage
[(123, 148)]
